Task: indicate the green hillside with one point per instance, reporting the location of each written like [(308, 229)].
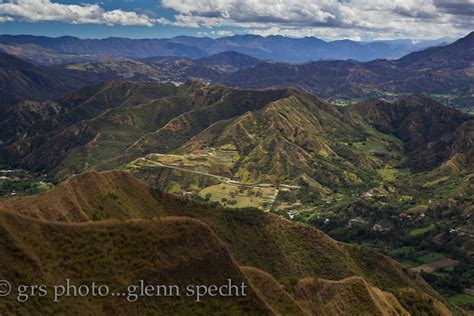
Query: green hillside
[(288, 251), (389, 175)]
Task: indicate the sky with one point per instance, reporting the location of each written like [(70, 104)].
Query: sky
[(326, 19)]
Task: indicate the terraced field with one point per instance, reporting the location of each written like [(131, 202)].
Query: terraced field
[(435, 265), (241, 196), (211, 163)]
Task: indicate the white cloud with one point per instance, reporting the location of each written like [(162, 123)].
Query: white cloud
[(219, 33), (5, 19), (45, 10), (329, 19), (417, 19)]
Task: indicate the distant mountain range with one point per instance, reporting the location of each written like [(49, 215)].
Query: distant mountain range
[(444, 72), (69, 49), (21, 80), (447, 72)]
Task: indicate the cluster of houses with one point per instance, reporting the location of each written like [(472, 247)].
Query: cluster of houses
[(412, 217), (377, 227)]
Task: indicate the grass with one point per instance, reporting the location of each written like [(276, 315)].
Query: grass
[(166, 159), (240, 197), (430, 257), (370, 146), (159, 251), (96, 196), (402, 251), (421, 230), (257, 239), (215, 162), (409, 263), (462, 299), (417, 209), (272, 292), (388, 174), (226, 155), (411, 258), (379, 135), (435, 182), (22, 186)]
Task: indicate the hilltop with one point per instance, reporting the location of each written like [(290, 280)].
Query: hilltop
[(428, 129), (297, 131), (229, 61), (90, 196), (117, 254)]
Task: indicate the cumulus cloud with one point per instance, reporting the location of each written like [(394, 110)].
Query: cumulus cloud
[(5, 19), (329, 18), (219, 33), (45, 10), (456, 7)]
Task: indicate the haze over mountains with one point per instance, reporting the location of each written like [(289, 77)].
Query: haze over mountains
[(444, 72), (21, 80), (276, 48)]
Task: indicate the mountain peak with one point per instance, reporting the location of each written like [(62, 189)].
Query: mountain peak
[(228, 61), (469, 36), (418, 98), (466, 42)]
